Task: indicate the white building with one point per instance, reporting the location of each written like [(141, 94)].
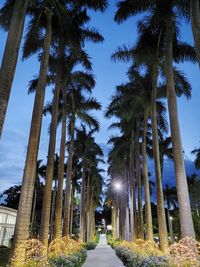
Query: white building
[(7, 224)]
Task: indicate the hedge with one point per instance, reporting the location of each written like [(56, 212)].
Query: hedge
[(75, 260), (90, 245), (131, 259)]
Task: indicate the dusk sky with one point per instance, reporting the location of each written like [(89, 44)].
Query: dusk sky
[(108, 74)]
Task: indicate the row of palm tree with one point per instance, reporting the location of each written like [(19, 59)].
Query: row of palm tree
[(56, 33), (141, 112)]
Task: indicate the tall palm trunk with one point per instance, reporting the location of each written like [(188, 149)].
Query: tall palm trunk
[(162, 227), (122, 218), (59, 196), (139, 185), (69, 182), (195, 20), (149, 226), (92, 216), (117, 221), (88, 194), (113, 220), (82, 207), (72, 210), (88, 210), (33, 211), (44, 228), (161, 163), (170, 222), (132, 191), (127, 219), (53, 208), (28, 183), (10, 56), (187, 228)]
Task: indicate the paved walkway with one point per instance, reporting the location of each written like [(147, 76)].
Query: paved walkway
[(102, 256)]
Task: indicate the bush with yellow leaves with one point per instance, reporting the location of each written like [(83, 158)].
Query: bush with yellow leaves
[(35, 255), (63, 246), (143, 247), (185, 253)]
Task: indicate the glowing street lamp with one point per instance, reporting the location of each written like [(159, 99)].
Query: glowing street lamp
[(117, 186)]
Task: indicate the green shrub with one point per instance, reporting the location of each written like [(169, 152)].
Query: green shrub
[(131, 259), (96, 238), (75, 260), (90, 245), (196, 221), (4, 255), (113, 242)]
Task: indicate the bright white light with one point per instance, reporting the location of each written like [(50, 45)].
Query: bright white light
[(117, 186), (171, 218)]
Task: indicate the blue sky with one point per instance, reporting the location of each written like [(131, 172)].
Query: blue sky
[(108, 74)]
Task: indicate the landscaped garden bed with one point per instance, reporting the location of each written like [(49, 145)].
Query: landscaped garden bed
[(132, 259), (185, 253), (90, 245), (74, 260), (63, 252)]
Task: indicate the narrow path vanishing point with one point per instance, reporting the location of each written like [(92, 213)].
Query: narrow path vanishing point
[(102, 256)]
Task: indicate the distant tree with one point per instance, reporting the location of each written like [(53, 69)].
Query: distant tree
[(11, 196), (194, 189), (196, 152)]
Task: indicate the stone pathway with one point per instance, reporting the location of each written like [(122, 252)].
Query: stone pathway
[(102, 256)]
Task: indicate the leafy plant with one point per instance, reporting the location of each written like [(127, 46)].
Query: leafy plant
[(113, 242), (90, 245)]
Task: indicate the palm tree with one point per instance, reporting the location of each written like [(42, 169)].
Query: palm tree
[(187, 228), (164, 19), (63, 112), (118, 160), (88, 150), (41, 18), (136, 98), (151, 103), (63, 41), (94, 192), (78, 108), (10, 56), (145, 56)]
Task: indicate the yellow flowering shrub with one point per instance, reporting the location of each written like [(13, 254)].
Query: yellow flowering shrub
[(64, 246), (185, 253), (72, 245), (143, 247), (57, 247), (35, 254)]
